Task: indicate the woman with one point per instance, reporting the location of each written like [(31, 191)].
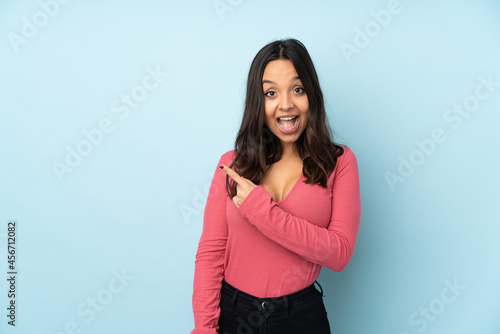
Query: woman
[(285, 203)]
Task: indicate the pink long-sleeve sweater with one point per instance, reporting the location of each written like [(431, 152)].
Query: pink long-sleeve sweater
[(268, 248)]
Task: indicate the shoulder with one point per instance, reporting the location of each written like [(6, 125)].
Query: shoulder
[(348, 156), (346, 163)]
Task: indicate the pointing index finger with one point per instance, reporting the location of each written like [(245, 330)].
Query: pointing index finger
[(232, 174)]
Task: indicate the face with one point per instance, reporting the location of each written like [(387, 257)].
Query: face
[(285, 101)]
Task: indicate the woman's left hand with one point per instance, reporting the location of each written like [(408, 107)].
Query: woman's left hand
[(243, 186)]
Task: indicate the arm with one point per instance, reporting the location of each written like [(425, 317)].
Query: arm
[(331, 247), (209, 263)]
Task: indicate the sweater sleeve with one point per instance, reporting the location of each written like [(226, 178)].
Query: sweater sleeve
[(209, 263), (331, 247)]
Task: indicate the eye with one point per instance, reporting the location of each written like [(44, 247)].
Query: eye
[(270, 93), (299, 90)]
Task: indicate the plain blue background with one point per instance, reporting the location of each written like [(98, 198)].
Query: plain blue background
[(133, 206)]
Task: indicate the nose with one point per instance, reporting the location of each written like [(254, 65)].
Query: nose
[(286, 102)]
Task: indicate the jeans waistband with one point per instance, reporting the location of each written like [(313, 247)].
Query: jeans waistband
[(271, 304)]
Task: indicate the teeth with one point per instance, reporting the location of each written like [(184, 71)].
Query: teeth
[(295, 123), (286, 118)]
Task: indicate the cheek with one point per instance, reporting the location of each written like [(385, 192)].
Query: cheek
[(304, 109), (269, 112), (302, 104), (269, 122)]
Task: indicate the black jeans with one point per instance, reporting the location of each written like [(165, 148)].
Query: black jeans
[(302, 312)]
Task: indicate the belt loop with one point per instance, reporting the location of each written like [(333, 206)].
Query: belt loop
[(233, 300), (285, 306), (319, 287)]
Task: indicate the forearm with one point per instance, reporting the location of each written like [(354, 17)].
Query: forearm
[(209, 269), (331, 247), (210, 256)]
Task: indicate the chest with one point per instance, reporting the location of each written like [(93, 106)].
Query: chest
[(281, 179), (310, 202)]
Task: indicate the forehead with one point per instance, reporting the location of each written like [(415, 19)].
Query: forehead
[(280, 68)]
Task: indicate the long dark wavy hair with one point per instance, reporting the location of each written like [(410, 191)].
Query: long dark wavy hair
[(257, 147)]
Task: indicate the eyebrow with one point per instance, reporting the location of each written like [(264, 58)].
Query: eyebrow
[(272, 82)]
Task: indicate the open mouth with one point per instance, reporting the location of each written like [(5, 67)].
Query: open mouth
[(288, 123)]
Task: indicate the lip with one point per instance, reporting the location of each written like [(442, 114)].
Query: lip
[(290, 115), (292, 129)]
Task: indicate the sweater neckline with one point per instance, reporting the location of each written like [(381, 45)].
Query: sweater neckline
[(291, 190)]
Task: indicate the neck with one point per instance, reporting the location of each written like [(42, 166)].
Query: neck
[(289, 150)]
